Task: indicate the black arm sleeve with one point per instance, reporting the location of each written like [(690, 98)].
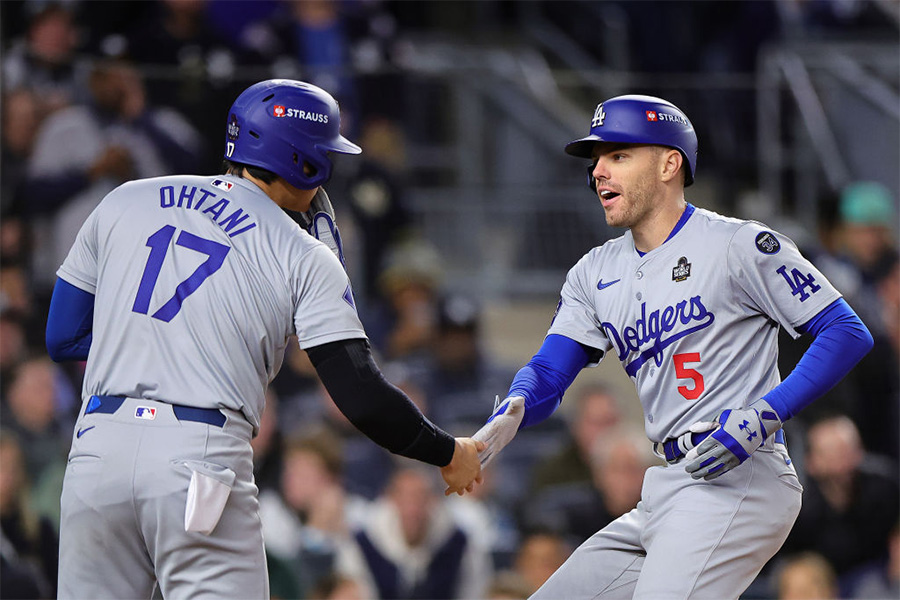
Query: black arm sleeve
[(375, 407)]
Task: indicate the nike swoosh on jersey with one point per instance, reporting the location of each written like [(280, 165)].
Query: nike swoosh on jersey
[(81, 432), (601, 285)]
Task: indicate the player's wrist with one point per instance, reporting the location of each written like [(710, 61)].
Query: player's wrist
[(769, 418)]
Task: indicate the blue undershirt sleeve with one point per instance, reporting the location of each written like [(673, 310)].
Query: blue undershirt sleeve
[(544, 380), (841, 341), (70, 322)]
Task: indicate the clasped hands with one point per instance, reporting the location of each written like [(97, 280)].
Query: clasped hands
[(476, 452)]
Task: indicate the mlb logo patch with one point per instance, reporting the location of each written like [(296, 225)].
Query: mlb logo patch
[(278, 110), (145, 412), (651, 115), (223, 185)]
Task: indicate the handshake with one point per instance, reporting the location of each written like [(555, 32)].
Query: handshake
[(471, 454)]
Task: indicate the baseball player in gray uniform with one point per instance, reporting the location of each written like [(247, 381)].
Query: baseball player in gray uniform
[(690, 302), (182, 293)]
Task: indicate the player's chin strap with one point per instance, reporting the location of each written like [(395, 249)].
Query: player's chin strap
[(320, 222)]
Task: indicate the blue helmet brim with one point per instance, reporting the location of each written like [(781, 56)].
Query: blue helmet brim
[(342, 145), (583, 147)]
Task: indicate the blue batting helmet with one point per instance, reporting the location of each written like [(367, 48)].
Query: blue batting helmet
[(280, 124), (635, 119)]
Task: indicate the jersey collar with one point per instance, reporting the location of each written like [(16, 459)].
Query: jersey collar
[(688, 211)]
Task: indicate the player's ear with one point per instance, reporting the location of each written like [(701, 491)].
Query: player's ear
[(670, 164)]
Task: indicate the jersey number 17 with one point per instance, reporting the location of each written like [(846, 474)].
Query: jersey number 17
[(159, 246)]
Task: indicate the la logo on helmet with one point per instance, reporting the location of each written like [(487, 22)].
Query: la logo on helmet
[(599, 115)]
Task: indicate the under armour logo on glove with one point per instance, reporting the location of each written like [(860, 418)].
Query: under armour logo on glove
[(745, 427), (727, 447)]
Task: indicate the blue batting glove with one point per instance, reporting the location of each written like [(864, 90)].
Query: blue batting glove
[(739, 434)]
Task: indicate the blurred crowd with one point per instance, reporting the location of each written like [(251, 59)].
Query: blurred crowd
[(97, 93)]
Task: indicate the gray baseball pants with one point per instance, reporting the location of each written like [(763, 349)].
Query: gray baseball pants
[(687, 538), (124, 498)]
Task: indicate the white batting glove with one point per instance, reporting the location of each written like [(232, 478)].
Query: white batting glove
[(739, 434), (321, 223), (501, 428)]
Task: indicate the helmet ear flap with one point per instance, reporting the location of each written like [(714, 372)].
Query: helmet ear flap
[(592, 183), (312, 171)]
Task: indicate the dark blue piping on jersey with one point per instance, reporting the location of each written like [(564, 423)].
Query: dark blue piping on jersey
[(688, 211)]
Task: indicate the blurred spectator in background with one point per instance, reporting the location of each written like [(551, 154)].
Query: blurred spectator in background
[(308, 519), (540, 554), (298, 389), (374, 189), (619, 460), (807, 576), (851, 500), (83, 152), (19, 125), (13, 349), (29, 538), (409, 546), (577, 510), (882, 578), (867, 217), (857, 253), (508, 585), (876, 378), (366, 466), (337, 587), (43, 60), (489, 520), (196, 66), (40, 410), (404, 322), (886, 282), (268, 445), (15, 291), (596, 411), (459, 377), (309, 40)]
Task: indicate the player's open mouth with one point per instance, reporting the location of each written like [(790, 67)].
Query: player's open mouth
[(608, 194)]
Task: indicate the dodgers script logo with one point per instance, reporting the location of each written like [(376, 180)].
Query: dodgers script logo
[(660, 329)]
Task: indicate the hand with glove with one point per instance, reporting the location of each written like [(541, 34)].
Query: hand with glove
[(464, 470), (739, 434), (321, 223), (501, 428)]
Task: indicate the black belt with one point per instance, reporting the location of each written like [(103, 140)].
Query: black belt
[(110, 404)]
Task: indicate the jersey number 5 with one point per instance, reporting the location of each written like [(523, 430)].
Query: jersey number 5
[(681, 372), (159, 246)]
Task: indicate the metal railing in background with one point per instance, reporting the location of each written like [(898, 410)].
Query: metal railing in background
[(493, 190), (827, 114)]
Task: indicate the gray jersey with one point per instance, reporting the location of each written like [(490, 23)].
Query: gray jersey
[(695, 321), (198, 276)]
